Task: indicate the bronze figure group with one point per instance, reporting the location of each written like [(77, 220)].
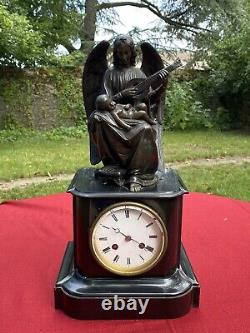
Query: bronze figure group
[(125, 106)]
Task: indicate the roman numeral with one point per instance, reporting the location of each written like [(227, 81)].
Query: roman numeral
[(127, 213), (148, 225), (116, 258), (103, 238), (114, 217), (139, 215), (106, 250), (104, 226), (128, 261), (142, 258), (152, 236), (149, 248)]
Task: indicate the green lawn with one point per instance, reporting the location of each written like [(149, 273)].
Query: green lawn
[(227, 180), (36, 155), (190, 145), (34, 190), (40, 156)]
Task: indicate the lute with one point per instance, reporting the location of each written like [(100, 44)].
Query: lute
[(142, 86)]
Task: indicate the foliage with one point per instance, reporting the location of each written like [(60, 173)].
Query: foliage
[(230, 66), (19, 42), (60, 133), (73, 60), (18, 93), (41, 99), (68, 91), (56, 22), (183, 110), (228, 58), (185, 20), (77, 132), (64, 22), (205, 91), (12, 135)]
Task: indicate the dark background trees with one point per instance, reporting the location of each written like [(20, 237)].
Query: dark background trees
[(217, 32), (74, 22)]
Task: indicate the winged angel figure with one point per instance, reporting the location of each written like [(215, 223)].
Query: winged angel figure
[(124, 106)]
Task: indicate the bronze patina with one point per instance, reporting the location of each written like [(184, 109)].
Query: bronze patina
[(124, 106)]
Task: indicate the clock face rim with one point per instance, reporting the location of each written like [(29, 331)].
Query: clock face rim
[(142, 268)]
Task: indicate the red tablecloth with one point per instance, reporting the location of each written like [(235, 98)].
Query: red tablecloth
[(33, 236)]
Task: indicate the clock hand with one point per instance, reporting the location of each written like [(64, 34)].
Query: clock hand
[(117, 230), (127, 237)]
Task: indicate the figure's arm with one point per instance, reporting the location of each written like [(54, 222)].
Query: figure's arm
[(129, 92), (119, 121)]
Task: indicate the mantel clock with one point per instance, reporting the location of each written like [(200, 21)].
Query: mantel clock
[(126, 259)]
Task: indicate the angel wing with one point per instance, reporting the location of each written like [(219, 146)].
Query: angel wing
[(93, 72), (152, 63)]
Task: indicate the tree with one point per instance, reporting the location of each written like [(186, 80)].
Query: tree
[(182, 19), (89, 25), (65, 22), (58, 22), (229, 62), (19, 43)]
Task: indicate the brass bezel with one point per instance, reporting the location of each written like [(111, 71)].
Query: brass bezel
[(113, 267)]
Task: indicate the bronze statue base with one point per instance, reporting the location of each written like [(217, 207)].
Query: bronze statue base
[(116, 175)]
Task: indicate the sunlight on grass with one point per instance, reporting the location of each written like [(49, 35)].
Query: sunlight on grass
[(226, 180), (189, 145), (39, 157), (34, 190)]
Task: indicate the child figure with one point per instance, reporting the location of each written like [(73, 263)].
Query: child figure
[(120, 111)]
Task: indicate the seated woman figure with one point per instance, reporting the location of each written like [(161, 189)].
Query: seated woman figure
[(123, 134), (129, 153)]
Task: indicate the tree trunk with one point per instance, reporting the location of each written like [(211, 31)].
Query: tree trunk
[(89, 25)]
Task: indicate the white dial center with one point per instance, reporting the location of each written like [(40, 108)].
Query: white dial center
[(128, 238)]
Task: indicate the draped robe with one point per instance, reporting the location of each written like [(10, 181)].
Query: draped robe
[(134, 150)]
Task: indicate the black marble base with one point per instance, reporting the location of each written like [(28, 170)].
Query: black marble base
[(131, 298), (86, 185)]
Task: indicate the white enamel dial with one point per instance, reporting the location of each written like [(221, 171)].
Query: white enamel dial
[(128, 238)]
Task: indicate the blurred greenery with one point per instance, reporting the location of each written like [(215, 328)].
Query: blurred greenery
[(183, 109)]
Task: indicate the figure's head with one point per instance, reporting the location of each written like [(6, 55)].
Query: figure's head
[(141, 106), (124, 53), (104, 103)]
